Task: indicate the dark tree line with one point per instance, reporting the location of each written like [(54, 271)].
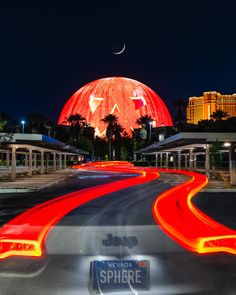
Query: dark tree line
[(77, 132)]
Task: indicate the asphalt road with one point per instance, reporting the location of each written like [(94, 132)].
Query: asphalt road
[(220, 206), (16, 203), (87, 234), (131, 206)]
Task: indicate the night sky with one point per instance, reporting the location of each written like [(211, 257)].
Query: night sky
[(178, 48)]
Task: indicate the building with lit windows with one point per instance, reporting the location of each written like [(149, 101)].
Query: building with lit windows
[(202, 107)]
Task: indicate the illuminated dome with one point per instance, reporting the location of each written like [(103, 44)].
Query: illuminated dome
[(126, 98)]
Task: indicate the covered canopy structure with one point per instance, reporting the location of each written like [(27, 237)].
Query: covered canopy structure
[(190, 145), (38, 151)]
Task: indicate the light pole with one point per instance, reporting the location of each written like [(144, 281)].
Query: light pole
[(150, 131), (23, 126)]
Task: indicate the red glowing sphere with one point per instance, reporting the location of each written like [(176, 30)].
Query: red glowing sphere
[(126, 98)]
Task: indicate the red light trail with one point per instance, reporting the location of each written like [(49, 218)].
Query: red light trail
[(26, 234), (186, 224)]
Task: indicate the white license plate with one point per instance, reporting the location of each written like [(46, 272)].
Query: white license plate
[(109, 275)]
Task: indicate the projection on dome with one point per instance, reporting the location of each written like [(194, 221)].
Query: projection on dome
[(126, 98)]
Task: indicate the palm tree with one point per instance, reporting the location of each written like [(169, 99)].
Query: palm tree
[(118, 129), (77, 122), (127, 146), (146, 121), (88, 131), (110, 120), (100, 148), (75, 119), (219, 115)]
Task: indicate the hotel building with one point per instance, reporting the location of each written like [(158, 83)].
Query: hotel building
[(202, 107)]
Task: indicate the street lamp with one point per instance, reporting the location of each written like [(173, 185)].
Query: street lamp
[(162, 132), (23, 126), (150, 131)]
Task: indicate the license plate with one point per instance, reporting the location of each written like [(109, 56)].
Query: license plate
[(109, 275)]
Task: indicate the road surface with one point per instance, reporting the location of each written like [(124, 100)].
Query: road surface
[(118, 226)]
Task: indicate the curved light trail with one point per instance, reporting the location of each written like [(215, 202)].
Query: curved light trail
[(25, 235), (186, 224)]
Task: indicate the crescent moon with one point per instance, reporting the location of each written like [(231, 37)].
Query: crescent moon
[(121, 51)]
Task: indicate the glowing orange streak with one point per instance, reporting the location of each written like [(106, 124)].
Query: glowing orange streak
[(186, 224), (103, 164), (25, 235)]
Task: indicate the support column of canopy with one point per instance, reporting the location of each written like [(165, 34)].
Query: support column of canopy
[(174, 160), (47, 162), (60, 162), (161, 159), (7, 160), (26, 161), (156, 160), (30, 166), (191, 159), (35, 161), (167, 160), (13, 163), (195, 161), (207, 161), (186, 161), (41, 162), (65, 164), (179, 160), (54, 162), (232, 164)]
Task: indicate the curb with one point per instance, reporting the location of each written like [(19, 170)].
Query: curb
[(31, 189), (18, 190), (218, 190)]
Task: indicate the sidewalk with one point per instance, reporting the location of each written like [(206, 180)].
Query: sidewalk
[(38, 182), (218, 186), (34, 183)]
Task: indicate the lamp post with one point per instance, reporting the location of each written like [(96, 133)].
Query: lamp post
[(23, 126), (150, 131)]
